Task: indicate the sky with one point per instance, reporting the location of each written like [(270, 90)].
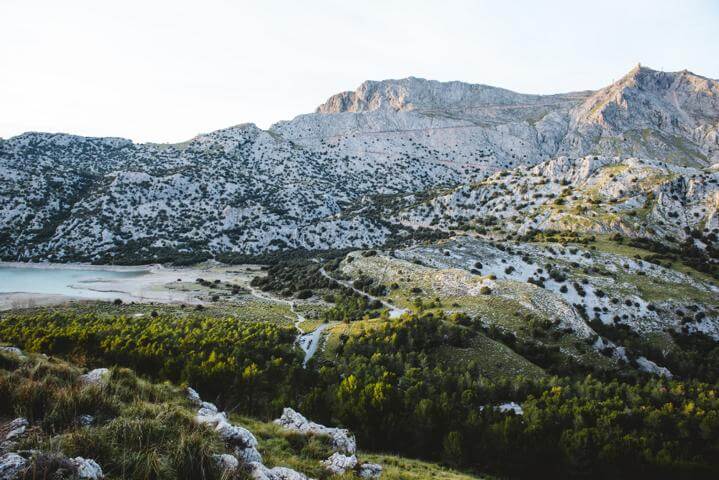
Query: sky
[(165, 71)]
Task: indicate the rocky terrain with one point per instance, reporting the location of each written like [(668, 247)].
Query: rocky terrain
[(592, 194), (334, 179)]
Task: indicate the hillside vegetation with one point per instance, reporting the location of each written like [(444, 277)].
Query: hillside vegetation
[(394, 388)]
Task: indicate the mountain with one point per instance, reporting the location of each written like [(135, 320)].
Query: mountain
[(670, 117), (336, 178), (592, 194)]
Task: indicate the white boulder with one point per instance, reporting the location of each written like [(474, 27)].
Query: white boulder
[(226, 462), (339, 464), (370, 471), (193, 396), (16, 428), (208, 414), (85, 420), (235, 435), (342, 439), (258, 471), (86, 468), (13, 350), (95, 377), (248, 455), (11, 466), (513, 407), (284, 473)]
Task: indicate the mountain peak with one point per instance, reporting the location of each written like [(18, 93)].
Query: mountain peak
[(411, 93), (654, 111)]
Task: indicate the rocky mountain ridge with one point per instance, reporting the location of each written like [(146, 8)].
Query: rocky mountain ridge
[(330, 179)]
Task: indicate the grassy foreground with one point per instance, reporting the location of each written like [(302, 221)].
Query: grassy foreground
[(145, 430)]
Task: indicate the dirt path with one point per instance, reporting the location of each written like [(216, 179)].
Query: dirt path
[(308, 342), (394, 311)]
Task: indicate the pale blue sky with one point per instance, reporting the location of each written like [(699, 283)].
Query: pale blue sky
[(167, 70)]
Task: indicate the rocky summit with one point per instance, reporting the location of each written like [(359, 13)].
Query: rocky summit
[(347, 175)]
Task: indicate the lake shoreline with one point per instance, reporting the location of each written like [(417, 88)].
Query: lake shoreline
[(154, 283)]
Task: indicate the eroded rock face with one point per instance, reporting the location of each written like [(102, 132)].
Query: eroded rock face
[(95, 377), (339, 464), (11, 466), (342, 439)]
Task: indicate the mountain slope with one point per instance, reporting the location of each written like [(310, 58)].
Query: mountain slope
[(322, 180), (669, 116), (601, 195)]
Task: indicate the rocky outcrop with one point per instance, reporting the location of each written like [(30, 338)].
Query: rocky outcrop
[(193, 396), (244, 444), (635, 197), (239, 438), (341, 438), (343, 459)]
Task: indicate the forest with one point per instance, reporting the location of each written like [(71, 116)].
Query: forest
[(389, 387)]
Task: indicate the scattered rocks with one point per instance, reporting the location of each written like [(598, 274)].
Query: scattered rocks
[(248, 454), (341, 438), (95, 377), (11, 466), (235, 435), (344, 458)]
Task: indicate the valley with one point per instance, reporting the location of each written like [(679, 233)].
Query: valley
[(476, 283)]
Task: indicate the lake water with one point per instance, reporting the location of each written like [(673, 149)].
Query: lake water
[(59, 280)]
